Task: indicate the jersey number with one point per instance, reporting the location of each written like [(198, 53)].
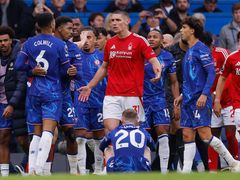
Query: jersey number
[(43, 62), (132, 134), (100, 117), (71, 112)]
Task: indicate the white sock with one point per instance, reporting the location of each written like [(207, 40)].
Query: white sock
[(82, 155), (73, 162), (98, 157), (4, 169), (43, 151), (189, 153), (47, 169), (163, 152), (219, 147), (33, 151), (91, 144)]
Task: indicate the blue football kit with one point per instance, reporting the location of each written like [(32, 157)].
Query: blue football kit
[(129, 143), (89, 113), (198, 77), (154, 98), (68, 111), (45, 93)]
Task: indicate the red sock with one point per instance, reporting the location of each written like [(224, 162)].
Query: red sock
[(232, 143), (212, 159), (26, 168)]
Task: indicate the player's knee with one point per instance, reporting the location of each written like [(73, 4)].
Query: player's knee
[(70, 135)]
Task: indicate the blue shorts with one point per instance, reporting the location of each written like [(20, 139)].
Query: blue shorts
[(89, 118), (128, 164), (68, 111), (40, 108), (191, 117), (155, 116), (4, 123)]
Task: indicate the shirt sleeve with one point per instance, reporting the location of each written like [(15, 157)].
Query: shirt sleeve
[(146, 50), (64, 59), (227, 68), (106, 53), (21, 63), (105, 142), (172, 67)]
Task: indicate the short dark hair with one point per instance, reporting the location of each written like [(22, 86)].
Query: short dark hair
[(93, 16), (235, 7), (89, 28), (101, 30), (124, 13), (178, 0), (130, 114), (61, 20), (195, 24), (207, 38), (7, 30), (44, 19)]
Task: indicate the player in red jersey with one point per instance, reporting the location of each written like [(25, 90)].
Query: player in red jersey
[(231, 66), (226, 119), (124, 57)]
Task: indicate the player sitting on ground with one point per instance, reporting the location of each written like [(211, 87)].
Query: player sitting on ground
[(129, 143)]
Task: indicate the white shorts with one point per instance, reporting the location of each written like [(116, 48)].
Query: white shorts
[(226, 118), (237, 118), (113, 106)]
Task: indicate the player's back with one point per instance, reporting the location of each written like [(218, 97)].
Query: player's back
[(128, 140), (129, 143), (50, 53)]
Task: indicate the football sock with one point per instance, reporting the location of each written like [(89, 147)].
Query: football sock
[(189, 153), (4, 169), (73, 162), (82, 155), (219, 147), (43, 151), (163, 152), (98, 157), (212, 159), (33, 151)]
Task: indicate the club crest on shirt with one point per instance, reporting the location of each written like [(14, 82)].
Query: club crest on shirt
[(97, 62), (112, 54), (130, 46)]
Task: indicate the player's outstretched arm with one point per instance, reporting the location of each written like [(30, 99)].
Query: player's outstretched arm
[(157, 69), (219, 89), (85, 91)]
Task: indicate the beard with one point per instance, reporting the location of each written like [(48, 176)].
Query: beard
[(182, 10)]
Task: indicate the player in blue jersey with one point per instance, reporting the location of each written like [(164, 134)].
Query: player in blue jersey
[(48, 53), (64, 27), (90, 112), (198, 77), (129, 143), (154, 100)]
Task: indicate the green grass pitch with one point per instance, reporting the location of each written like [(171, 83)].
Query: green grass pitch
[(138, 176)]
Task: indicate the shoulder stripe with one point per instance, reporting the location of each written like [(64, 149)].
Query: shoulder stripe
[(223, 51), (143, 38), (23, 53), (234, 52)]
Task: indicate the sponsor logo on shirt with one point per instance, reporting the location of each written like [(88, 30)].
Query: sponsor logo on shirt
[(238, 63), (238, 71), (120, 54)]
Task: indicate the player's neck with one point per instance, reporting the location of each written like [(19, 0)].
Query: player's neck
[(192, 41), (157, 51), (47, 31), (123, 34)]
